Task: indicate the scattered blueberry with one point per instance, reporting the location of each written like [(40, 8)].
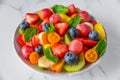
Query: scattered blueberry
[(45, 27), (39, 49), (93, 35), (73, 32), (70, 57), (24, 25)]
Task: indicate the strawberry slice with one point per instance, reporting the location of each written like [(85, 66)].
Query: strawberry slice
[(61, 28), (87, 42), (35, 41), (71, 9), (31, 18), (59, 49)]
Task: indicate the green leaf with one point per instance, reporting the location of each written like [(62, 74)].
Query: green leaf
[(60, 9), (49, 55), (51, 28), (29, 33), (74, 21), (101, 47)]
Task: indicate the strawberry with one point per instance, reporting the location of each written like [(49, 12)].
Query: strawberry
[(61, 28), (40, 28), (32, 18), (21, 41), (71, 9), (35, 41), (59, 49), (87, 42)]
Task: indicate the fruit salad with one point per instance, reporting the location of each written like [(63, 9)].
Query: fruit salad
[(61, 39)]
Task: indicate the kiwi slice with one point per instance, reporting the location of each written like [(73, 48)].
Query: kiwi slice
[(67, 39), (76, 66)]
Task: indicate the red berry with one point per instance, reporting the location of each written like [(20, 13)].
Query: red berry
[(35, 41), (71, 9), (26, 51), (55, 18), (85, 16), (88, 42), (61, 28), (59, 49), (76, 46), (83, 30), (32, 18), (45, 13)]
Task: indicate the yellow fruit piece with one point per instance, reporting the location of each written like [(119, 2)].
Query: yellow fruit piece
[(47, 46), (64, 17), (99, 28), (43, 38), (44, 62), (58, 66)]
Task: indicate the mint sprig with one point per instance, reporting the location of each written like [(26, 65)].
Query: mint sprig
[(74, 21), (51, 28), (49, 55), (29, 33), (60, 9)]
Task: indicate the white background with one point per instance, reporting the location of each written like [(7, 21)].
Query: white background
[(12, 13)]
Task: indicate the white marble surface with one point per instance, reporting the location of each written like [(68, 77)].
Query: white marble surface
[(11, 14)]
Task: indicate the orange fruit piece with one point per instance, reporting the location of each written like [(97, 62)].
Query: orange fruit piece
[(91, 55), (73, 15), (53, 37), (58, 67), (34, 56)]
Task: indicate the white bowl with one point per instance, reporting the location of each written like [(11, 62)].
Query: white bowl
[(18, 51)]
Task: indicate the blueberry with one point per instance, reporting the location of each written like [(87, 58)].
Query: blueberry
[(73, 32), (45, 27), (93, 35), (39, 49), (70, 57), (24, 25)]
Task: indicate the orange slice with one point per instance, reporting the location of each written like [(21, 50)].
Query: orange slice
[(34, 56), (91, 55), (53, 37)]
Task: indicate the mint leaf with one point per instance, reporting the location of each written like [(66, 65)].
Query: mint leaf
[(51, 28), (29, 33), (74, 21), (49, 55), (60, 9)]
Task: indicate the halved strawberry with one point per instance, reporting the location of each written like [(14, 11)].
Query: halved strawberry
[(87, 42), (59, 49), (40, 28), (21, 41), (35, 41), (61, 28), (32, 18), (71, 9)]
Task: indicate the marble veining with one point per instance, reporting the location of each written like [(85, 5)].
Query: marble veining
[(108, 68)]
